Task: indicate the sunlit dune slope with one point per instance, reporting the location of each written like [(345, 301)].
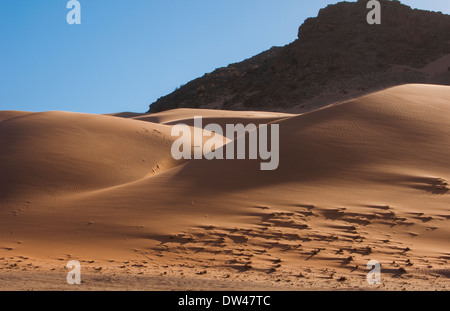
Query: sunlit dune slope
[(53, 154)]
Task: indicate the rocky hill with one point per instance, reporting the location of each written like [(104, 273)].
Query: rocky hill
[(337, 55)]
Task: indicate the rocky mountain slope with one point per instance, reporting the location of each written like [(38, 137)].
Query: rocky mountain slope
[(337, 55)]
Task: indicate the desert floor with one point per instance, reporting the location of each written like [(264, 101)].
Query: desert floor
[(357, 181)]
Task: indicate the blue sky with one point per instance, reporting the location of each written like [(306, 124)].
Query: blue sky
[(126, 54)]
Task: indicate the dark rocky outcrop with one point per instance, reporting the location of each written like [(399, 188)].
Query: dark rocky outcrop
[(337, 55)]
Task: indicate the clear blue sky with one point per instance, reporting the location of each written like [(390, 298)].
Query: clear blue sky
[(126, 54)]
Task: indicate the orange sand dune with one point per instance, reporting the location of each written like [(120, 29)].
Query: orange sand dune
[(221, 117), (4, 115), (362, 180), (53, 154)]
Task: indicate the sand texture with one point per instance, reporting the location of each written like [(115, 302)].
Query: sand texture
[(362, 180)]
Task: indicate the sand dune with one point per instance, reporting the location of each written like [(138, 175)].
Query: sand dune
[(53, 154), (438, 66), (221, 117), (4, 115), (361, 180)]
